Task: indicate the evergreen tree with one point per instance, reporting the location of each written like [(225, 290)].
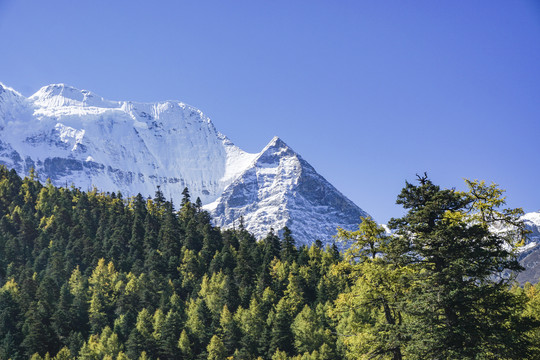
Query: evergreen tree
[(309, 333), (169, 337), (170, 242), (152, 259), (216, 350), (247, 266), (460, 304), (281, 337), (63, 354), (229, 330), (185, 346), (136, 242), (531, 311), (288, 249), (252, 323), (61, 319), (10, 321), (38, 337), (199, 323), (159, 201), (271, 250), (185, 197)]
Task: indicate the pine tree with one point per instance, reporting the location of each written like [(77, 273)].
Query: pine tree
[(185, 346), (159, 201), (79, 305), (169, 337), (288, 249), (216, 350), (252, 323), (460, 304), (229, 330), (531, 311), (272, 248), (63, 354), (309, 331), (136, 242), (61, 319), (185, 197), (170, 242), (10, 321), (104, 292), (199, 322), (145, 327), (246, 267), (37, 334), (152, 259), (281, 337)]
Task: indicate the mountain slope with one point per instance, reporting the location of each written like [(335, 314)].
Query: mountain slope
[(77, 137), (530, 254)]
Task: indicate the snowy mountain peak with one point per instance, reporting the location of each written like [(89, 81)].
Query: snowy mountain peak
[(55, 95), (7, 89), (275, 148), (76, 137), (9, 95), (276, 142), (281, 189), (13, 105)]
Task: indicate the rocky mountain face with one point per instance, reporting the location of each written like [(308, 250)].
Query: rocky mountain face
[(281, 189), (76, 137)]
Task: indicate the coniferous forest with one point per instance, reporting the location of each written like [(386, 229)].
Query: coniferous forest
[(90, 275)]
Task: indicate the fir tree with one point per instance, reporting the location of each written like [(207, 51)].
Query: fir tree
[(460, 303), (288, 249), (216, 350), (185, 346)]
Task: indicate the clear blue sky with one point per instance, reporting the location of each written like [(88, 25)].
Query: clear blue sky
[(369, 92)]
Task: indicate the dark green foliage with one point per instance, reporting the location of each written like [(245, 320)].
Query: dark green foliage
[(458, 309), (99, 274), (288, 249), (10, 324), (281, 334)]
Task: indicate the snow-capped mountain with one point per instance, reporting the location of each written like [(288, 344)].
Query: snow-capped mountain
[(280, 189), (77, 137), (530, 253)]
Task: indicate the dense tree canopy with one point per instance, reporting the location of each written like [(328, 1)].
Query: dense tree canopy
[(93, 275), (90, 275)]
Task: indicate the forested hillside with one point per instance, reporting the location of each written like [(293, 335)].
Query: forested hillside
[(101, 276), (90, 275)]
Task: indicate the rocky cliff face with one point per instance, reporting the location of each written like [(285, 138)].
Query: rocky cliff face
[(76, 137)]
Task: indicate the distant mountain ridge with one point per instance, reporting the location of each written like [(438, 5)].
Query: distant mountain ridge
[(75, 136)]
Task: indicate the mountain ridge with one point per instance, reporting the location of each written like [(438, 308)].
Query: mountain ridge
[(76, 136)]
